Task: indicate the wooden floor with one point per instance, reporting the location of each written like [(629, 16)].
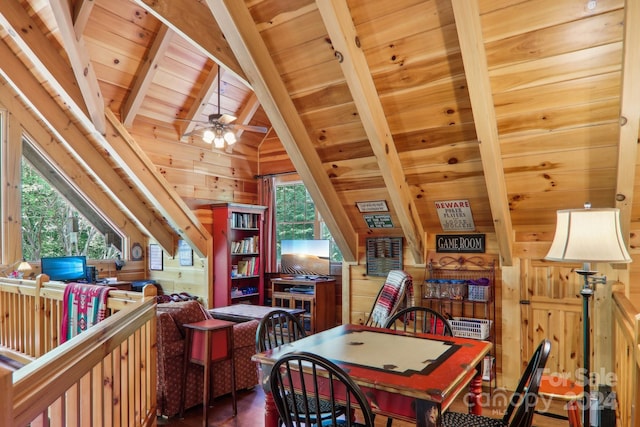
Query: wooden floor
[(251, 414)]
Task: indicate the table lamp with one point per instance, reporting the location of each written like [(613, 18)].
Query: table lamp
[(24, 268), (588, 235)]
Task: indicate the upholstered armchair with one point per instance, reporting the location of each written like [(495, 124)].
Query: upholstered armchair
[(171, 345)]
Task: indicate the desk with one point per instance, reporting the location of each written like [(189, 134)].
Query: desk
[(397, 371), (246, 312), (198, 349), (119, 285)]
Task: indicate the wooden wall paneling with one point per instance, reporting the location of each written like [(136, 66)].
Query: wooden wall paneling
[(174, 278), (554, 311), (511, 325)]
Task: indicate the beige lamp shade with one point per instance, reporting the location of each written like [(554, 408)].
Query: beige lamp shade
[(588, 235), (24, 267)]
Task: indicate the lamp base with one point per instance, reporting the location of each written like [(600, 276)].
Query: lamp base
[(586, 293)]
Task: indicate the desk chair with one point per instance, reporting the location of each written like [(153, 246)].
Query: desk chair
[(420, 319), (308, 375), (396, 293), (522, 405)]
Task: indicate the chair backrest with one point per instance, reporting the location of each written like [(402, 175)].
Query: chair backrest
[(420, 319), (277, 328), (521, 408), (396, 292), (313, 378)]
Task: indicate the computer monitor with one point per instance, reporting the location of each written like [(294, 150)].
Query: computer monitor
[(65, 268)]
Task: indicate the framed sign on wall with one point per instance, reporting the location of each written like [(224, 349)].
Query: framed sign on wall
[(185, 253), (155, 257)]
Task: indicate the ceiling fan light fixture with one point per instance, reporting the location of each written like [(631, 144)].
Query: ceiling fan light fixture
[(218, 141), (230, 137), (208, 136)]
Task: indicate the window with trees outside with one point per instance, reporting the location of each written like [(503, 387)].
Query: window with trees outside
[(298, 219), (51, 226)]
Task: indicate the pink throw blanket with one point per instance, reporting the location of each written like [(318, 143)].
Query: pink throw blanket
[(84, 305)]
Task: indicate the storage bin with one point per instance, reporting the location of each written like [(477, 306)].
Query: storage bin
[(479, 289), (468, 327), (457, 289), (445, 288), (431, 289)]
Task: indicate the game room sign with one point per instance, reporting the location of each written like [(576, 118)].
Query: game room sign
[(460, 243)]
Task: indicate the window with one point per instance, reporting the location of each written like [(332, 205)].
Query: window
[(298, 219), (51, 226)]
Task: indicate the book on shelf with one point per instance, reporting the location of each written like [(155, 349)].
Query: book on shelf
[(243, 266), (245, 246)]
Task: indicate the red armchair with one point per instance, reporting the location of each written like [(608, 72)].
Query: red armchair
[(171, 340)]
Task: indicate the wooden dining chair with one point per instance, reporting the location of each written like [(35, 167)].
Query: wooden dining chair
[(420, 319), (277, 328), (281, 327), (311, 376), (522, 404), (396, 293)]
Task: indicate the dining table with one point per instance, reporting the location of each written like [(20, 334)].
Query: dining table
[(409, 376)]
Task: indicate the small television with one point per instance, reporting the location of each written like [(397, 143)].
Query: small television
[(305, 257), (65, 268)]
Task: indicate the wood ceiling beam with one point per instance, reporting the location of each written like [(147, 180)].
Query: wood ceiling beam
[(74, 141), (468, 26), (145, 74), (11, 161), (127, 153), (81, 12), (629, 116), (209, 88), (239, 29), (80, 63), (195, 23), (37, 49), (248, 111), (342, 32)]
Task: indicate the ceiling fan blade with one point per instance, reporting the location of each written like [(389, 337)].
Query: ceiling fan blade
[(192, 121), (221, 118), (193, 132), (259, 129)]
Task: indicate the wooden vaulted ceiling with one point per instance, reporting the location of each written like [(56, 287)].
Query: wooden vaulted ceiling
[(519, 107)]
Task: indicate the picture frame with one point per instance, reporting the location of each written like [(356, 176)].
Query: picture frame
[(185, 253), (155, 257)]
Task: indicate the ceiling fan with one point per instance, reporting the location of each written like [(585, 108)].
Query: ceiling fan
[(219, 128)]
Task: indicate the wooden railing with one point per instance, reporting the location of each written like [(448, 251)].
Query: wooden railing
[(106, 376), (627, 359)]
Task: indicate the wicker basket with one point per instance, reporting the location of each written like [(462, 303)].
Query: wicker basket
[(468, 327)]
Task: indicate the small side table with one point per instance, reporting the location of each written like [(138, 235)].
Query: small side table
[(199, 349)]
